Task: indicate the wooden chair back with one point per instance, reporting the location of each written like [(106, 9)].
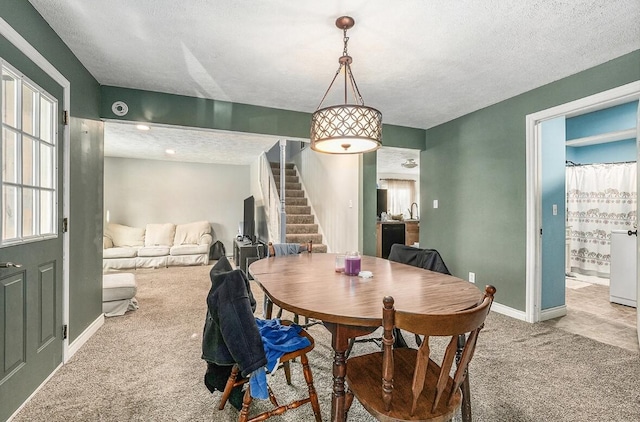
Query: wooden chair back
[(414, 385), (468, 322)]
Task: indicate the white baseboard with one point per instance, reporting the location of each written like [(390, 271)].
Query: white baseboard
[(82, 338), (551, 313), (505, 310)]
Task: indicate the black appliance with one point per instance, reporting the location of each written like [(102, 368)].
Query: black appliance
[(391, 233)]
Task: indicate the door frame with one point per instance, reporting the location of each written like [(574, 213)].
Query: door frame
[(39, 60), (601, 100)]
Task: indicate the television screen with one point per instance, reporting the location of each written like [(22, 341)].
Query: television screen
[(249, 222)]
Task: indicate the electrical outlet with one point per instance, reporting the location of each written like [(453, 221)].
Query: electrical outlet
[(472, 277)]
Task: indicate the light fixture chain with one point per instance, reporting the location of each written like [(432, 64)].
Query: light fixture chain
[(345, 40), (330, 85), (348, 128), (354, 87)]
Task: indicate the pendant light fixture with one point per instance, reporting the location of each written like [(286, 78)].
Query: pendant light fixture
[(346, 128)]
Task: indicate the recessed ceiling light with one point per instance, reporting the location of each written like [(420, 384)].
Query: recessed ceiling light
[(170, 151), (142, 127)]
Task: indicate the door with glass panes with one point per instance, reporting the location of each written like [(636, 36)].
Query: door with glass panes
[(31, 247)]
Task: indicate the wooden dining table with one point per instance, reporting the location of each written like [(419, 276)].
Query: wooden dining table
[(351, 306)]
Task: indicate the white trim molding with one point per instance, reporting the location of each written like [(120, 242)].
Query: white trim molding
[(558, 311), (508, 311), (84, 337)]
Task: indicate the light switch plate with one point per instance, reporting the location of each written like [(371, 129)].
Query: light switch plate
[(435, 203)]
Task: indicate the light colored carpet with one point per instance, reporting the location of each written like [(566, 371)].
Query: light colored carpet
[(146, 366)]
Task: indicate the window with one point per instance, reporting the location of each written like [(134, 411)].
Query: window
[(401, 194), (29, 153)]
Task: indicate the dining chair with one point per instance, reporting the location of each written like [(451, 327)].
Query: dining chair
[(417, 385), (234, 382), (236, 346), (428, 259)]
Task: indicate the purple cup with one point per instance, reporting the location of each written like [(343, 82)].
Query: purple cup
[(352, 265)]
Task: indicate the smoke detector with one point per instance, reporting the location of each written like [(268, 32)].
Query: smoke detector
[(409, 164)]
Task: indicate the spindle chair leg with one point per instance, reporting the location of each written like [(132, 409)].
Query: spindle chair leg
[(313, 395), (228, 387)]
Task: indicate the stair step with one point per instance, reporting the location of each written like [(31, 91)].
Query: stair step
[(295, 201), (293, 194), (300, 219), (302, 228), (297, 209), (319, 248), (289, 186), (304, 238), (287, 172), (277, 165)]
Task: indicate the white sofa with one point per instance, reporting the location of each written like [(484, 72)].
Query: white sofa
[(156, 245)]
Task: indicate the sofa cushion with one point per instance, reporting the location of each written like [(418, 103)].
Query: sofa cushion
[(190, 234), (122, 235), (153, 251), (159, 234), (189, 249), (107, 242), (118, 286), (119, 253)]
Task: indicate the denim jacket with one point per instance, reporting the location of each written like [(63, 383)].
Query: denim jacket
[(230, 332)]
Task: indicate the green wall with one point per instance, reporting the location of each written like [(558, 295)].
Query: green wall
[(392, 136), (156, 107), (86, 223), (475, 167), (85, 186)]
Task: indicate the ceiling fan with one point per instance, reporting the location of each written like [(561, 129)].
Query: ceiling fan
[(410, 163)]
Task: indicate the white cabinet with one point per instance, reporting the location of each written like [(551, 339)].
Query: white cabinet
[(624, 265)]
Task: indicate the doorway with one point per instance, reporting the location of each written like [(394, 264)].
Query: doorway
[(607, 99), (601, 202)]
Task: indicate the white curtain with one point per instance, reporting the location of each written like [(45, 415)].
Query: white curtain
[(401, 194), (600, 198)]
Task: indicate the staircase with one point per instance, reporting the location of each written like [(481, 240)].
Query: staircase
[(301, 226)]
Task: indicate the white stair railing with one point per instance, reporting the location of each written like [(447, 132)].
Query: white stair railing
[(272, 206)]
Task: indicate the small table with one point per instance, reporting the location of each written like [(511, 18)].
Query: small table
[(350, 306)]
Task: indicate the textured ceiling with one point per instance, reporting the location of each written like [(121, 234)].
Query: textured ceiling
[(125, 140), (190, 145), (421, 63)]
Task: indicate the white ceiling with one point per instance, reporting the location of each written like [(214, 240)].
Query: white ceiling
[(420, 63), (125, 140)]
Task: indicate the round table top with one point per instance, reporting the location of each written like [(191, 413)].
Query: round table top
[(308, 285)]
